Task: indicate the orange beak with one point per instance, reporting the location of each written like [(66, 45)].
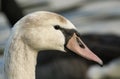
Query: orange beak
[(76, 45)]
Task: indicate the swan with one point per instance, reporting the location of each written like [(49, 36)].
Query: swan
[(40, 31)]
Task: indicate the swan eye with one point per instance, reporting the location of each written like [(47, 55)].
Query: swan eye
[(57, 27)]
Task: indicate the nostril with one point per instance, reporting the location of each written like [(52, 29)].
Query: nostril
[(80, 43)]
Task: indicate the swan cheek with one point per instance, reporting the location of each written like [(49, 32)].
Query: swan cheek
[(53, 41), (44, 39)]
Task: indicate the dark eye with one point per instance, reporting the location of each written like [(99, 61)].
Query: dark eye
[(57, 27)]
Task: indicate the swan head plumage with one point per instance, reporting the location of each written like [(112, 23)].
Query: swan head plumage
[(39, 30), (50, 31)]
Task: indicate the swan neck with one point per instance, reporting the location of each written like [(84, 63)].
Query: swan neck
[(20, 60)]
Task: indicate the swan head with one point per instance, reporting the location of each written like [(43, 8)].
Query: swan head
[(50, 31)]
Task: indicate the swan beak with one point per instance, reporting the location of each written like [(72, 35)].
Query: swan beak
[(76, 45)]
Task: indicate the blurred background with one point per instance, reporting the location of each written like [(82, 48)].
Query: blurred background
[(98, 22)]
